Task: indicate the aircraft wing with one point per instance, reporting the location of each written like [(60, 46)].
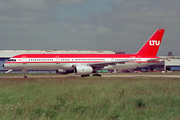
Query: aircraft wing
[(103, 64)]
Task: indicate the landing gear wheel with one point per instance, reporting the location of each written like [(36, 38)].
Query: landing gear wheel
[(85, 75), (99, 75)]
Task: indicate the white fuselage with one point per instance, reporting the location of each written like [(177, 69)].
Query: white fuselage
[(68, 63)]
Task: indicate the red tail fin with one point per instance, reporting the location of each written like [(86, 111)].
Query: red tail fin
[(152, 45)]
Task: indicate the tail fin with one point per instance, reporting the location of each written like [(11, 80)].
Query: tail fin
[(152, 45)]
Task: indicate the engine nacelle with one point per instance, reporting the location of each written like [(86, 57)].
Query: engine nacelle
[(83, 70)]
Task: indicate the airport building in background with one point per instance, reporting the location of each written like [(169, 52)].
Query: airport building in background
[(173, 63)]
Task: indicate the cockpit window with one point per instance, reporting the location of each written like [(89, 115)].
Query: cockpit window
[(13, 60)]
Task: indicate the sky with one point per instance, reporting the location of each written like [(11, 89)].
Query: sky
[(112, 25)]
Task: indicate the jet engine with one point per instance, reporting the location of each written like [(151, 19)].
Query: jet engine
[(83, 70)]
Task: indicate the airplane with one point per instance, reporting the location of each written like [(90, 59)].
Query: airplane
[(86, 64)]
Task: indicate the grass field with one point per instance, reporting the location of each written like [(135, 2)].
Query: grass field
[(90, 98)]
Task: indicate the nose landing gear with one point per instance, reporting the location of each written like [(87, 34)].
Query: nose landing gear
[(24, 73)]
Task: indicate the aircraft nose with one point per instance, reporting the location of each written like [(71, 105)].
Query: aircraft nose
[(5, 65)]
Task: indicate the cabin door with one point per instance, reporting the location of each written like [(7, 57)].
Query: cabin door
[(57, 60), (24, 60)]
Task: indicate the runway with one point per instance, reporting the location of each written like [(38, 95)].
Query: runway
[(103, 75)]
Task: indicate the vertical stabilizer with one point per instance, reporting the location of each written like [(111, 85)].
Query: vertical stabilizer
[(152, 45)]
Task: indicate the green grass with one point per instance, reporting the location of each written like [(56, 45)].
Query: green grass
[(90, 98)]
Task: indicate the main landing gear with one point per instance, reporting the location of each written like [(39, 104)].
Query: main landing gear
[(96, 74), (24, 73), (85, 75), (99, 75)]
